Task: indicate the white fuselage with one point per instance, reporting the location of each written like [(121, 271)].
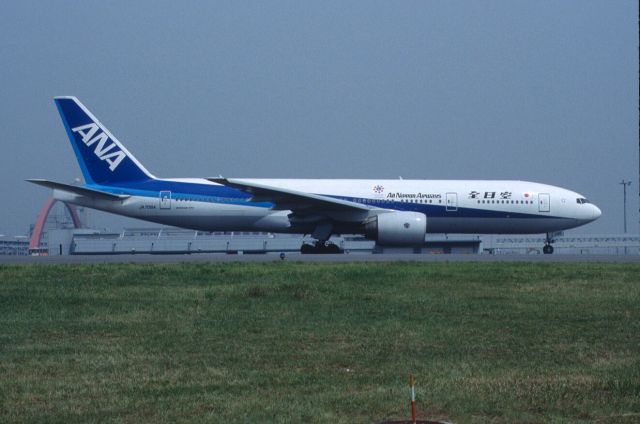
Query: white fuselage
[(451, 206)]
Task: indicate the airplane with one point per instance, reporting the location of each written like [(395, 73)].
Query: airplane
[(391, 212)]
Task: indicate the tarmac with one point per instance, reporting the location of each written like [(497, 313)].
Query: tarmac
[(297, 257)]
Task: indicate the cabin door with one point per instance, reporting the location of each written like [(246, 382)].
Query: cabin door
[(165, 200), (544, 202), (452, 202)]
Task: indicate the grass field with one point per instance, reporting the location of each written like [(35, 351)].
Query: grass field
[(320, 343)]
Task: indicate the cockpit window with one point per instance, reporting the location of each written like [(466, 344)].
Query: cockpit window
[(581, 200)]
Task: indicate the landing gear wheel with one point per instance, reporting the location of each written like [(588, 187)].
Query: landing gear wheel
[(547, 249), (332, 248), (307, 248), (320, 247)]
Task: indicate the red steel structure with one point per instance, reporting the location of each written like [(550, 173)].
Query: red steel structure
[(34, 242)]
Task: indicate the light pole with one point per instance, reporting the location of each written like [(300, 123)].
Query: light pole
[(625, 184)]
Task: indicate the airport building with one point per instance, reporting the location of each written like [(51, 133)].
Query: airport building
[(591, 244), (14, 245), (169, 240)]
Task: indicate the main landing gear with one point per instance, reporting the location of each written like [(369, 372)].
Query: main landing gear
[(321, 244), (320, 247)]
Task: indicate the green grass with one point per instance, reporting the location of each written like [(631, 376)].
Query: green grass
[(326, 343)]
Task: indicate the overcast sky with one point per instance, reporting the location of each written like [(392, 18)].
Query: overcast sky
[(544, 91)]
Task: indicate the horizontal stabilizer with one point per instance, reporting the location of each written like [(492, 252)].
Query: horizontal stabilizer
[(82, 191)]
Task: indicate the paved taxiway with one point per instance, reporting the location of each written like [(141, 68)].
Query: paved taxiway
[(271, 257)]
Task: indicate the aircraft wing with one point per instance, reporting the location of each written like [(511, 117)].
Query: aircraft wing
[(82, 191), (296, 201)]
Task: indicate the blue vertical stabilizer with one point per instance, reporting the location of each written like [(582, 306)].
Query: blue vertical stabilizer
[(102, 158)]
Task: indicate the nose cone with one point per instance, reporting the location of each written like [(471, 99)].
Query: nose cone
[(596, 212)]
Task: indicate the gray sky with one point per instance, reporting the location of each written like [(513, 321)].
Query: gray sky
[(533, 90)]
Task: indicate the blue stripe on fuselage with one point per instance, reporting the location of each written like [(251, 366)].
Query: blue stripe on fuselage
[(183, 191)]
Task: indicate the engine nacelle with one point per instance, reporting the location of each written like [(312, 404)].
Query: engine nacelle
[(398, 228)]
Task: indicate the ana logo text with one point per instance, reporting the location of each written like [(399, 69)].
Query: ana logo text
[(103, 150)]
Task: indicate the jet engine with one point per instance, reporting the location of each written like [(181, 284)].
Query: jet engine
[(397, 228)]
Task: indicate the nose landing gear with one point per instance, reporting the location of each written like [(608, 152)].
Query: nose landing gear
[(548, 248)]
